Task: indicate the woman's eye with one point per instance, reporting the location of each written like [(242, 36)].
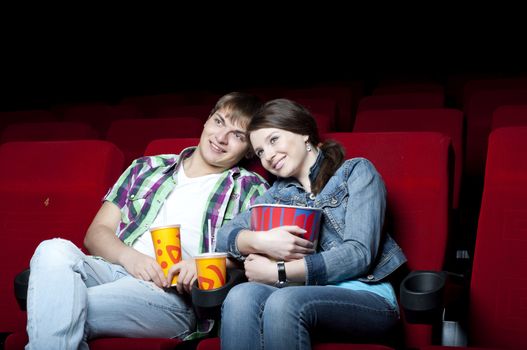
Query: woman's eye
[(259, 153), (273, 140)]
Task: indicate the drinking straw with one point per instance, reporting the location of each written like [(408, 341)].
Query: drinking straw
[(210, 236)]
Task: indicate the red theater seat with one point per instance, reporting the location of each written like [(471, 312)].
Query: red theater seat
[(195, 111), (133, 135), (48, 189), (444, 120), (403, 101), (478, 111), (48, 131), (17, 341), (170, 146), (509, 116), (497, 317), (100, 116), (414, 167)]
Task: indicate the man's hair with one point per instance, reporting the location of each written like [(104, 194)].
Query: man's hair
[(240, 107)]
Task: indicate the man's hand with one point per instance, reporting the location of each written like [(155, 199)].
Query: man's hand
[(143, 267), (261, 269), (187, 275), (283, 243)]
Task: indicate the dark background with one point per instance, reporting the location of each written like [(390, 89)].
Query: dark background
[(70, 58)]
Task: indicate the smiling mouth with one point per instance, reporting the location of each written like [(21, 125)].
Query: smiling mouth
[(216, 148), (278, 165)]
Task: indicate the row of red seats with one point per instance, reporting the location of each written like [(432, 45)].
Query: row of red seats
[(415, 169), (132, 135), (418, 213), (333, 104)]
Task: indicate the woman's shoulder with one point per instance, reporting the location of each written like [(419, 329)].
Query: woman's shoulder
[(355, 166)]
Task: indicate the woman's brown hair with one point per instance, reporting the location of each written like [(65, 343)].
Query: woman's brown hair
[(290, 116)]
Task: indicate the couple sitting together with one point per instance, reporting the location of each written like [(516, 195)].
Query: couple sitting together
[(121, 291)]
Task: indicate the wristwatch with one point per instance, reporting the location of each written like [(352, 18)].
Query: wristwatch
[(282, 277)]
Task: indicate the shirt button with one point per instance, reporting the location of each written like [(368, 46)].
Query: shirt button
[(370, 277), (334, 201), (312, 196), (132, 196)]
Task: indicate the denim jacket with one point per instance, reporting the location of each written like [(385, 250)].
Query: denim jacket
[(351, 243)]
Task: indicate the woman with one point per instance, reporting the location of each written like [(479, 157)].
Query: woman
[(344, 293)]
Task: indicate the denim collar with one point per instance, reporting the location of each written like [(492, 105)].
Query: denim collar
[(313, 172)]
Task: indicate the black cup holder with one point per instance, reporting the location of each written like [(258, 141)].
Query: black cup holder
[(20, 284), (421, 294), (207, 303)]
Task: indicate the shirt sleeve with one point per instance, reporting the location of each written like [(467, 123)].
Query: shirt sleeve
[(119, 191)]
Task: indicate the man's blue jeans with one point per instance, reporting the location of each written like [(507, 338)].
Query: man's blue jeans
[(73, 297), (257, 316)]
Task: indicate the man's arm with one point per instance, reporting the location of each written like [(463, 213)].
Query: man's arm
[(101, 240)]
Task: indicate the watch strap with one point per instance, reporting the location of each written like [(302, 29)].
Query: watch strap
[(282, 277)]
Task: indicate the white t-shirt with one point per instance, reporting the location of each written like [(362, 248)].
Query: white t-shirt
[(184, 206)]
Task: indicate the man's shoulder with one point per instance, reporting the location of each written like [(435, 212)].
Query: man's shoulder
[(249, 178), (161, 161)]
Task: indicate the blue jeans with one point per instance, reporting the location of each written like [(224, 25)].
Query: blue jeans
[(73, 297), (258, 316)]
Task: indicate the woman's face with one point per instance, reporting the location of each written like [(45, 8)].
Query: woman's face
[(281, 152)]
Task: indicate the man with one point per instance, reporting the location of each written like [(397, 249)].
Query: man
[(121, 290)]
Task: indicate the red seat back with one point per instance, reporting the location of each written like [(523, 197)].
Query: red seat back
[(133, 135), (446, 121), (403, 101), (414, 166), (195, 111), (48, 131), (100, 116), (509, 116), (48, 189), (498, 290), (170, 146), (478, 111)]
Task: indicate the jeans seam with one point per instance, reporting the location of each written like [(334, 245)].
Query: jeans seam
[(261, 325)]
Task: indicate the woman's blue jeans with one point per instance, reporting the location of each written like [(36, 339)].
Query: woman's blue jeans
[(73, 297), (258, 316)]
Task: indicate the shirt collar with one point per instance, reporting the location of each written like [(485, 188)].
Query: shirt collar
[(315, 168), (186, 153)]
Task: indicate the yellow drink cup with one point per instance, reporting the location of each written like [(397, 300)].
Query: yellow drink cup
[(212, 270), (167, 246)]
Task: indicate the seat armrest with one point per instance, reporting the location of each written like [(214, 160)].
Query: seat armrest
[(20, 287)]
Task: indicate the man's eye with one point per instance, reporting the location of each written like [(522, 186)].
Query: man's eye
[(217, 121)]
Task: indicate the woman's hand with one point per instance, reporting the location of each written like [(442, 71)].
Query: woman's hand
[(143, 267), (261, 269), (187, 275), (283, 243)]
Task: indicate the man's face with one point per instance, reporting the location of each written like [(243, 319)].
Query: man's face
[(222, 143)]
